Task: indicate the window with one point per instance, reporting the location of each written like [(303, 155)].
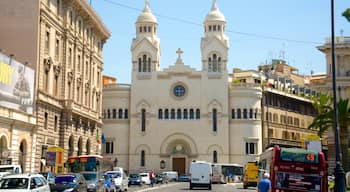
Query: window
[(69, 57), (46, 79), (250, 148), (149, 29), (87, 69), (215, 120), (215, 156), (143, 120), (120, 113), (143, 163), (179, 91), (46, 120), (172, 114), (239, 114), (79, 27), (71, 17), (185, 114), (198, 114), (78, 64), (178, 113), (250, 113), (108, 114), (245, 115), (55, 86), (57, 49), (140, 29), (78, 94), (233, 114), (191, 114), (126, 116), (160, 114), (47, 42), (114, 113), (214, 63), (109, 147), (144, 64), (55, 123), (166, 114)]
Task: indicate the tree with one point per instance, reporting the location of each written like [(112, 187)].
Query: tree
[(346, 14), (325, 119)]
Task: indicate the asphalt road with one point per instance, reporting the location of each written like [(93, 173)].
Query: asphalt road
[(184, 186)]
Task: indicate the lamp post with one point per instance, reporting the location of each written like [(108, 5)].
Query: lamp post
[(338, 170)]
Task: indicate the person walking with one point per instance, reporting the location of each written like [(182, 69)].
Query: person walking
[(152, 177), (265, 183)]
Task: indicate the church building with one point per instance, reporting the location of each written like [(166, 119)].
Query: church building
[(168, 117)]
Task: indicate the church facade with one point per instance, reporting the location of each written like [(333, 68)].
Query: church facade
[(167, 118)]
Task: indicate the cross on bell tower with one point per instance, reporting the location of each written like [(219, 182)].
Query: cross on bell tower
[(179, 60)]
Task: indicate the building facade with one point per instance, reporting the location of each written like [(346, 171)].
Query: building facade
[(167, 118), (62, 40), (17, 119), (342, 67)]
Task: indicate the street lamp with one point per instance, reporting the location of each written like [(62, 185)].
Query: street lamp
[(338, 170)]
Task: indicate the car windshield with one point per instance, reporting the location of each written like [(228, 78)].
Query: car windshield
[(90, 176), (114, 174), (134, 175), (143, 175), (65, 179), (14, 183)]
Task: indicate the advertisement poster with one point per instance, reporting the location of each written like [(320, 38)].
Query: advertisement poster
[(50, 158), (300, 182), (16, 85)]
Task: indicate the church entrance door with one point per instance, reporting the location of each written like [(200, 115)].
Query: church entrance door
[(179, 165)]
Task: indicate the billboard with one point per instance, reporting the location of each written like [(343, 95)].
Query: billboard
[(16, 85)]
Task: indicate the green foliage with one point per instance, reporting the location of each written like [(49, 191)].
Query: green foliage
[(346, 14)]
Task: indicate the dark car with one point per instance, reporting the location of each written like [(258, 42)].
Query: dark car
[(161, 178), (135, 179), (94, 180), (184, 178), (72, 182)]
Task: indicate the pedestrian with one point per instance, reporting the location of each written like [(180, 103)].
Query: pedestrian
[(265, 183), (152, 177)]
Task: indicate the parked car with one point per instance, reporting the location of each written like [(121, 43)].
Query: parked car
[(135, 179), (71, 182), (24, 183), (145, 178), (9, 169), (94, 180), (120, 179), (161, 178), (172, 175), (49, 176), (184, 178)]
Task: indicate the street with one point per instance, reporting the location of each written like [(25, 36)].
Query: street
[(184, 186)]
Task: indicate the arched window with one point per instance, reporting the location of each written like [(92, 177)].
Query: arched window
[(120, 113), (245, 115), (191, 114), (144, 63), (126, 114), (166, 114), (114, 114), (215, 156), (233, 115), (140, 65), (108, 114), (185, 114), (178, 113), (143, 158), (250, 113), (239, 114), (172, 114), (215, 120), (160, 114), (214, 63), (149, 65), (198, 114), (143, 120)]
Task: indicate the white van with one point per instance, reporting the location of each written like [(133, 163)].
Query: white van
[(201, 172), (120, 178), (10, 169)]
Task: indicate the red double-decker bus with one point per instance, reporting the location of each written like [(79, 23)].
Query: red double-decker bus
[(294, 169)]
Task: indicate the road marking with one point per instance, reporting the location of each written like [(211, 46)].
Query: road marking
[(157, 187)]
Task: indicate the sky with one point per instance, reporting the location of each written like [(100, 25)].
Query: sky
[(258, 31)]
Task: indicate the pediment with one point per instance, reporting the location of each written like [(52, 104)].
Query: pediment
[(144, 44)]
